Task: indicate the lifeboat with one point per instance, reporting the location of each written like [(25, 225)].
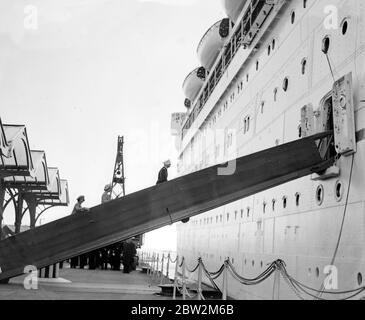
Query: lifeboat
[(212, 42), (233, 8), (193, 83)]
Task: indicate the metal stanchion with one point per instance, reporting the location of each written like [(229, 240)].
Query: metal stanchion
[(175, 277), (183, 279), (168, 267), (162, 262), (200, 276), (225, 280)]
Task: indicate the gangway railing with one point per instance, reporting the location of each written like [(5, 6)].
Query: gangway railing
[(161, 205)]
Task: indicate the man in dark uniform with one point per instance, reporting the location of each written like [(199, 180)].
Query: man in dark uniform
[(129, 251), (162, 177), (163, 174)]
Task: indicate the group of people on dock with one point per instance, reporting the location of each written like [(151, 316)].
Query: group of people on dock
[(109, 258)]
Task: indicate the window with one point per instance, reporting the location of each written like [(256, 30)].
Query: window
[(246, 124), (285, 202), (262, 107), (248, 212), (304, 66), (275, 94), (293, 17), (235, 215), (247, 77), (257, 65), (227, 217), (241, 213), (320, 195), (264, 207), (297, 199), (304, 4), (344, 27), (273, 204), (285, 84), (268, 50), (326, 44), (273, 44), (338, 191)]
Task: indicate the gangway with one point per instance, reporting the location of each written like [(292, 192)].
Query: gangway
[(162, 205)]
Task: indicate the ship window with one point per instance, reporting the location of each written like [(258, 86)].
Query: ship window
[(273, 44), (268, 50), (261, 264), (248, 212), (211, 220), (216, 219), (293, 17), (247, 77), (221, 218), (300, 133), (253, 263), (304, 4), (304, 66), (297, 199), (344, 27), (359, 279), (326, 44), (275, 94), (235, 215), (241, 213), (227, 217), (273, 204), (317, 272), (285, 84), (264, 207), (320, 195), (285, 202), (262, 107), (257, 65), (338, 190)]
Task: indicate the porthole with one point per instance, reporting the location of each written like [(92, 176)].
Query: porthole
[(326, 44), (300, 133), (359, 279), (273, 44), (245, 261), (297, 199), (304, 4), (261, 264), (248, 212), (273, 204), (292, 17), (317, 272), (345, 26), (257, 65), (253, 263), (309, 272), (286, 84), (262, 107), (275, 94), (285, 202), (264, 207), (268, 50), (247, 77), (304, 66), (339, 190), (320, 195), (241, 213)]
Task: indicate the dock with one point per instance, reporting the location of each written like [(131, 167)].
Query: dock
[(84, 284)]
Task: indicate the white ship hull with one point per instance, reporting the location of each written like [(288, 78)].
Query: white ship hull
[(258, 230)]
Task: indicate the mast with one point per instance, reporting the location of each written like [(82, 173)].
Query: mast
[(118, 180)]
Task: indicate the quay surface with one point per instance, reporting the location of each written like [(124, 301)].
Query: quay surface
[(84, 284)]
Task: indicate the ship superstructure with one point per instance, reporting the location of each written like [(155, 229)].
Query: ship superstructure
[(273, 72)]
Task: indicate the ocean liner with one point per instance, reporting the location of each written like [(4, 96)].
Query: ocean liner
[(270, 73)]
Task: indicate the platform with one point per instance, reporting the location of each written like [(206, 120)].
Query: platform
[(76, 284)]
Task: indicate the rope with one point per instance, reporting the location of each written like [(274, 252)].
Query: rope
[(343, 218)]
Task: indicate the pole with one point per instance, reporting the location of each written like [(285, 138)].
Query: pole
[(175, 277), (162, 262), (224, 296), (168, 267), (200, 276), (2, 198), (183, 279)]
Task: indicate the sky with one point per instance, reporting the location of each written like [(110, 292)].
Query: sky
[(78, 73)]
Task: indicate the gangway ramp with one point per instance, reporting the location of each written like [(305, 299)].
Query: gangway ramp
[(160, 205)]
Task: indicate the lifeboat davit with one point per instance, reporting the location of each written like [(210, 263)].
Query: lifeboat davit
[(212, 42), (233, 8), (193, 83)]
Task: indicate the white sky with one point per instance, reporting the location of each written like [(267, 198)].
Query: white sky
[(93, 70)]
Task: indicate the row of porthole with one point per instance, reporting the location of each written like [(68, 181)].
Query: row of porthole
[(319, 199)]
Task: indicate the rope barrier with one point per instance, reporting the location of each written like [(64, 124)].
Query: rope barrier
[(277, 268)]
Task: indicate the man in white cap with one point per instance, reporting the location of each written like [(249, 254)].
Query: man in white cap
[(163, 174), (107, 195)]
